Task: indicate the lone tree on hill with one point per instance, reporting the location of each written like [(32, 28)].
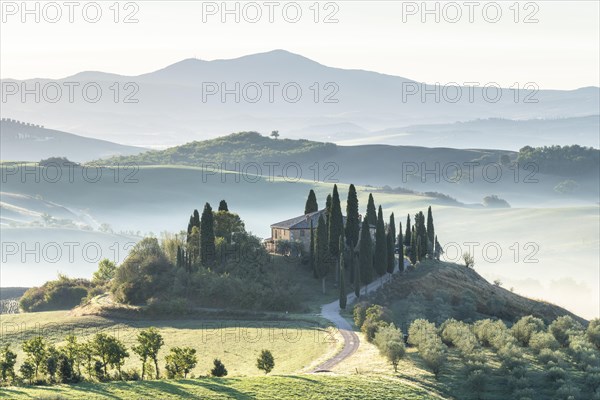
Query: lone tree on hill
[(352, 218), (366, 254), (380, 246), (311, 203), (275, 134), (265, 361), (207, 237), (223, 206), (371, 216)]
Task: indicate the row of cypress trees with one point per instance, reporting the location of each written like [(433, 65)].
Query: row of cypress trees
[(335, 247)]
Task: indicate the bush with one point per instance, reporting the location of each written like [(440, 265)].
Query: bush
[(419, 330), (218, 369), (390, 342), (131, 374), (593, 332), (555, 374), (546, 355), (265, 361), (568, 391), (561, 327), (376, 317), (543, 340), (61, 294), (360, 313), (459, 335), (525, 327)]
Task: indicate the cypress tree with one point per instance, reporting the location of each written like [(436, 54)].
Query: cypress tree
[(311, 203), (352, 218), (391, 244), (407, 235), (413, 246), (207, 237), (335, 225), (328, 204), (312, 249), (380, 246), (323, 256), (356, 267), (343, 298), (196, 219), (223, 206), (179, 259), (430, 232), (366, 254), (400, 249), (421, 231), (371, 211), (418, 252)]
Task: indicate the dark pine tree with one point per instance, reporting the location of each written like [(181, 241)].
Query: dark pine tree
[(328, 204), (413, 247), (223, 206), (196, 219), (407, 234), (380, 262), (336, 227), (391, 242), (421, 230), (400, 249), (312, 250), (430, 232), (322, 255), (352, 218), (311, 205), (365, 255), (356, 268), (342, 277), (371, 211), (207, 237)]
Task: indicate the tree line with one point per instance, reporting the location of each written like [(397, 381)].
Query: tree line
[(101, 358), (336, 247)]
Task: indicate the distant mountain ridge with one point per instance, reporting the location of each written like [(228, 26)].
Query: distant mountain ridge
[(278, 90)]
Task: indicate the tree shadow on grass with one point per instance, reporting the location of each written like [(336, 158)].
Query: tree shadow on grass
[(219, 386), (300, 377)]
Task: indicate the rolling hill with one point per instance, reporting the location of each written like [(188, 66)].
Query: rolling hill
[(279, 90), (28, 142)]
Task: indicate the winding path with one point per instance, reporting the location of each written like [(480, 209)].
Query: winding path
[(331, 312)]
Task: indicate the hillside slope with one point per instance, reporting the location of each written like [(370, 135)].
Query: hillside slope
[(23, 142), (440, 290)]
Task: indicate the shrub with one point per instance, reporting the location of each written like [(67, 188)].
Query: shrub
[(568, 391), (218, 369), (561, 327), (360, 313), (265, 361), (376, 317), (390, 342), (583, 351), (554, 374), (433, 352), (180, 361), (459, 335), (546, 355), (543, 340), (419, 330), (592, 378), (61, 294), (593, 332), (525, 327), (131, 374)]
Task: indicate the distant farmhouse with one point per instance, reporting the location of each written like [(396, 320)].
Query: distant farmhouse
[(297, 230)]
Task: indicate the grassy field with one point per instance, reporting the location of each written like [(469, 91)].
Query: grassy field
[(312, 387), (296, 345)]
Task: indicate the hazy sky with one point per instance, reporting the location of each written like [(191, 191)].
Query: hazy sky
[(560, 50)]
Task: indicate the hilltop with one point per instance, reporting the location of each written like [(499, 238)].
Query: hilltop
[(439, 290), (22, 141)]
